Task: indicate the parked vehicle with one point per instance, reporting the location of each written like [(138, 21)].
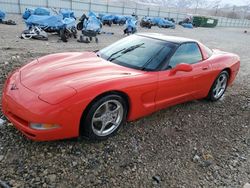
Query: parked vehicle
[(146, 22), (91, 27), (2, 15), (93, 94), (119, 19), (130, 26), (107, 19), (2, 21), (61, 24)]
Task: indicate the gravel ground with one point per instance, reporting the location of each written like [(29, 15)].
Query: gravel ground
[(196, 144)]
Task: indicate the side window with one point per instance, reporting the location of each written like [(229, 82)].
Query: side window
[(157, 60), (187, 53)]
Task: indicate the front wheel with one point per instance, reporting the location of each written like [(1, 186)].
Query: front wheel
[(105, 117), (219, 86)]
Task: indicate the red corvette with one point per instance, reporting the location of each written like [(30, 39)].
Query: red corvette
[(93, 93)]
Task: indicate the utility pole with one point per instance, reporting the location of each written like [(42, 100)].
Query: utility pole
[(197, 4)]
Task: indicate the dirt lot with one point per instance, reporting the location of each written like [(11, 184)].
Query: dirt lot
[(196, 144)]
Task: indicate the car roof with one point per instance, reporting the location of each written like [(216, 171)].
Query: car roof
[(173, 39)]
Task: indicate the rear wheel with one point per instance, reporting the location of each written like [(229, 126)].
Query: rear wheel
[(219, 86), (104, 117), (64, 34), (79, 26)]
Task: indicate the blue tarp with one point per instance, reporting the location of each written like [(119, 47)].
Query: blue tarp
[(41, 11), (55, 22), (93, 23), (147, 19), (69, 22), (187, 25), (100, 15), (155, 20), (2, 15), (129, 17), (92, 14), (131, 24), (119, 18), (67, 13), (165, 23), (108, 17), (27, 13), (161, 22)]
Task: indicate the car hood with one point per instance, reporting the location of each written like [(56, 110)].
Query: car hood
[(73, 69)]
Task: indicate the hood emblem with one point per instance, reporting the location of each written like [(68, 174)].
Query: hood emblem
[(14, 87)]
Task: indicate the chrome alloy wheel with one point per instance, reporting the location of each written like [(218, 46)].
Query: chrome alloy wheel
[(220, 86), (107, 117)]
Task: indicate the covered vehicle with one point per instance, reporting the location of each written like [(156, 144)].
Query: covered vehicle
[(187, 25), (93, 24), (165, 23), (50, 23), (55, 23), (7, 22), (130, 27), (69, 94), (107, 19), (90, 27), (162, 22), (119, 19), (146, 22), (2, 15)]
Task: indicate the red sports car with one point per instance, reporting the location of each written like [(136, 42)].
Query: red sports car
[(92, 94)]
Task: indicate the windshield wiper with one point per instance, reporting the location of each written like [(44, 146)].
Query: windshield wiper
[(115, 53), (131, 48), (124, 51)]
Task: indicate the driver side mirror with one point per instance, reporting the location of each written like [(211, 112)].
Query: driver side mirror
[(182, 67)]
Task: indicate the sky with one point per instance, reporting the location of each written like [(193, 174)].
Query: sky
[(235, 2)]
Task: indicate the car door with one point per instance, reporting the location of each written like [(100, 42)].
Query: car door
[(178, 87)]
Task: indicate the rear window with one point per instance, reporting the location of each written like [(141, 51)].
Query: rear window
[(208, 51)]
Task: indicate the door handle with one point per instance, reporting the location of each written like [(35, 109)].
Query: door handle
[(204, 68)]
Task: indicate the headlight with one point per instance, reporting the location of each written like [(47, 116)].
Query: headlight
[(43, 126)]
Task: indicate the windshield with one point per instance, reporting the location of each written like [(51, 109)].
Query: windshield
[(138, 52)]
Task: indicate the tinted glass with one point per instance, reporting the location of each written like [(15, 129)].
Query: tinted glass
[(186, 53), (137, 52), (208, 50)]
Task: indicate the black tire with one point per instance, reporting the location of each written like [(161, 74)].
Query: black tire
[(86, 122), (79, 26), (63, 35), (87, 40), (74, 32), (211, 95)]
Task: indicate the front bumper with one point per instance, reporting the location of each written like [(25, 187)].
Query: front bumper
[(22, 106)]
